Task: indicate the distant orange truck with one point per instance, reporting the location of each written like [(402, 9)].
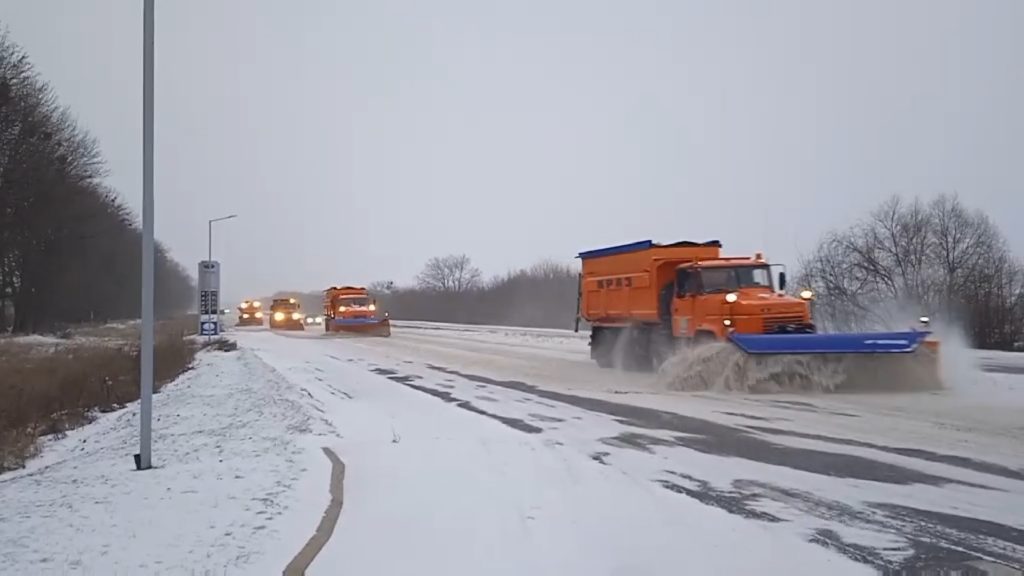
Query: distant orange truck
[(644, 299), (351, 310)]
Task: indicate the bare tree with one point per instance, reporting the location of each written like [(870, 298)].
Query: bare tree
[(938, 258), (452, 273), (381, 286)]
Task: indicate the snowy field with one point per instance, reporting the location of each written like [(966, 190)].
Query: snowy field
[(492, 450)]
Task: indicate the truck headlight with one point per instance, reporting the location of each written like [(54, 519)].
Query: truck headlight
[(259, 314), (727, 322), (296, 316), (372, 307), (807, 294), (257, 304), (245, 316), (342, 308), (924, 320), (732, 297), (319, 320), (278, 316)]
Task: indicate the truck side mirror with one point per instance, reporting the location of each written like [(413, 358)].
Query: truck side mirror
[(782, 281)]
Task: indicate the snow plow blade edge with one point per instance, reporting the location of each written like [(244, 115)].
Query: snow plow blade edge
[(853, 343), (359, 327)]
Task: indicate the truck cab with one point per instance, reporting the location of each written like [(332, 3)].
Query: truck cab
[(710, 299)]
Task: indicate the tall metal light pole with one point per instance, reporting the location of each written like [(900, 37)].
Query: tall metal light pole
[(143, 460), (209, 237)]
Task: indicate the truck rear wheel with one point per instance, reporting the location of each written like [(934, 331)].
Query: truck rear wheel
[(636, 349), (602, 345), (625, 348)]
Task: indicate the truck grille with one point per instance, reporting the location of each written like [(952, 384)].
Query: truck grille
[(774, 323)]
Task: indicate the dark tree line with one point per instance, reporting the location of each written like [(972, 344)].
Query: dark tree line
[(911, 257), (70, 250)]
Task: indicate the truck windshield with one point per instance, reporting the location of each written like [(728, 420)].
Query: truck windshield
[(734, 278), (354, 301)]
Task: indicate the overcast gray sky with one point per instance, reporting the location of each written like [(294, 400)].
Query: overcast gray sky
[(357, 139)]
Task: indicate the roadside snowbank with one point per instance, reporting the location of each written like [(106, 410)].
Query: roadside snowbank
[(237, 486)]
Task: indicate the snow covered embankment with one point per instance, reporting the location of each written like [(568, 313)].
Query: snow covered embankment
[(234, 448)]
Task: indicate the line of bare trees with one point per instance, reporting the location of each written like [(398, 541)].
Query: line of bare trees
[(451, 289), (911, 257), (70, 249)]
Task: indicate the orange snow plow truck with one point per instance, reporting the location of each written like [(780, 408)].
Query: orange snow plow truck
[(285, 314), (250, 313), (645, 302), (350, 310)]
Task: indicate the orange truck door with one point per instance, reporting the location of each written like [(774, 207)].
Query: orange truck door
[(685, 304)]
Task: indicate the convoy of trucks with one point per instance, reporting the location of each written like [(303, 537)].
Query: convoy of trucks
[(644, 301)]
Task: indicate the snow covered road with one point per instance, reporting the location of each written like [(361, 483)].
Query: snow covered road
[(488, 450), (598, 466), (444, 486)]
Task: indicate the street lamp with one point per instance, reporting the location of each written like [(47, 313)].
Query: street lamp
[(209, 244), (143, 460)]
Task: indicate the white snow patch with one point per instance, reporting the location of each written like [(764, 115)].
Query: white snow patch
[(238, 483)]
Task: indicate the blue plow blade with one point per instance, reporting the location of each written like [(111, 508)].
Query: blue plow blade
[(351, 321), (852, 343)]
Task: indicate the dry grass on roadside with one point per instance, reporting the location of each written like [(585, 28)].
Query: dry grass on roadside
[(184, 326), (66, 386)]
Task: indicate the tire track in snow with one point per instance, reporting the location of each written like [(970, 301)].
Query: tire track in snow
[(934, 539), (514, 423), (719, 439)]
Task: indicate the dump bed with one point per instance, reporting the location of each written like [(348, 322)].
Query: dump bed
[(339, 291), (620, 284)]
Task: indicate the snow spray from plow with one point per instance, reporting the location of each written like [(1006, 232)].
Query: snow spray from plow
[(893, 361)]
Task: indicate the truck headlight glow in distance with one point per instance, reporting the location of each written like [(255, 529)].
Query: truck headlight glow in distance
[(278, 316), (732, 297)]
